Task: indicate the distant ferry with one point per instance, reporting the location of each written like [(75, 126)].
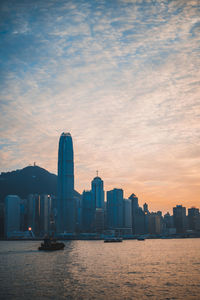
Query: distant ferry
[(141, 238), (113, 239), (51, 245)]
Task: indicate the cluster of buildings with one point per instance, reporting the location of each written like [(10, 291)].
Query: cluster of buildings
[(69, 215), (27, 218)]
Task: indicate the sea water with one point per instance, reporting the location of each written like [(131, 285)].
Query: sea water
[(150, 269)]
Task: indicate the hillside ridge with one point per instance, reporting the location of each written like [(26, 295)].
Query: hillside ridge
[(29, 180)]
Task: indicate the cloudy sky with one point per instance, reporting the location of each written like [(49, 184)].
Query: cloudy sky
[(122, 76)]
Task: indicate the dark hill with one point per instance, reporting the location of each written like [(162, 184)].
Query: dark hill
[(29, 180)]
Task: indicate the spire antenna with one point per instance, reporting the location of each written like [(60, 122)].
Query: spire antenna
[(97, 172)]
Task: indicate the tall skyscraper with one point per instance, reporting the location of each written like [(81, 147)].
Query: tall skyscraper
[(98, 197), (127, 214), (115, 209), (88, 212), (12, 214), (98, 192), (138, 216), (179, 217), (33, 211), (65, 202), (45, 212), (193, 214), (155, 223)]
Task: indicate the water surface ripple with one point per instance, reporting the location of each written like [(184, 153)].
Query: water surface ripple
[(153, 269)]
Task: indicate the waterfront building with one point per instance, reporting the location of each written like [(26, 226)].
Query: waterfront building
[(23, 225), (145, 208), (127, 214), (193, 213), (98, 192), (88, 212), (12, 214), (197, 223), (45, 213), (168, 224), (168, 220), (33, 213), (2, 231), (115, 209), (65, 198), (155, 223), (146, 217), (179, 218), (99, 220), (78, 213), (138, 216)]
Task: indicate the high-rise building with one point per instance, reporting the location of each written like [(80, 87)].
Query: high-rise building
[(33, 211), (98, 192), (23, 225), (45, 213), (179, 218), (99, 220), (138, 216), (2, 231), (168, 220), (197, 223), (155, 223), (145, 208), (127, 214), (98, 198), (146, 217), (12, 215), (78, 213), (65, 199), (115, 207), (88, 212), (193, 214)]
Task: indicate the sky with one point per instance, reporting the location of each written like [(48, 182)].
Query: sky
[(122, 76)]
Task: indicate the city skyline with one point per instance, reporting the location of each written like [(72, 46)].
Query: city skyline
[(67, 213), (122, 77)]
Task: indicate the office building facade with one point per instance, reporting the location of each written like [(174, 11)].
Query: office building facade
[(98, 192), (179, 218), (12, 215), (139, 219), (65, 219), (115, 209), (88, 212)]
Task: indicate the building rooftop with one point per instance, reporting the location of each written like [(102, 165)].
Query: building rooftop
[(66, 134), (97, 178)]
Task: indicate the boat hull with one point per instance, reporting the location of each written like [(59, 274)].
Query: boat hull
[(113, 240), (54, 247)]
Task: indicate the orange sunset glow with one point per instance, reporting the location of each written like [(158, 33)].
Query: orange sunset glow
[(123, 79)]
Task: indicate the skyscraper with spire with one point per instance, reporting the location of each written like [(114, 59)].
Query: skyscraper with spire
[(98, 198), (98, 191), (65, 200)]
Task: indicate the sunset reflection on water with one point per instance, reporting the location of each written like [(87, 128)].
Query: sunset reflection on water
[(156, 269)]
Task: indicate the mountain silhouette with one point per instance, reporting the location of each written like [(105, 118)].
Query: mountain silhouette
[(30, 180)]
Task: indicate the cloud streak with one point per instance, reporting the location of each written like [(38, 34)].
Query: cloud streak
[(121, 76)]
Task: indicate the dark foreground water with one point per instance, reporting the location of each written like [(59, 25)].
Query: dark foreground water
[(151, 269)]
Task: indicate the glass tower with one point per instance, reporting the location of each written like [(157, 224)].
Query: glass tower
[(98, 192), (98, 198), (12, 214), (65, 201)]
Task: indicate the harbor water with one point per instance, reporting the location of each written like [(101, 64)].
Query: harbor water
[(150, 269)]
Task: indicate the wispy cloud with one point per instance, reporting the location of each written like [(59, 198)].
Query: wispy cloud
[(121, 76)]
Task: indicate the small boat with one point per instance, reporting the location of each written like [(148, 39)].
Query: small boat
[(141, 238), (113, 239), (51, 245)]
